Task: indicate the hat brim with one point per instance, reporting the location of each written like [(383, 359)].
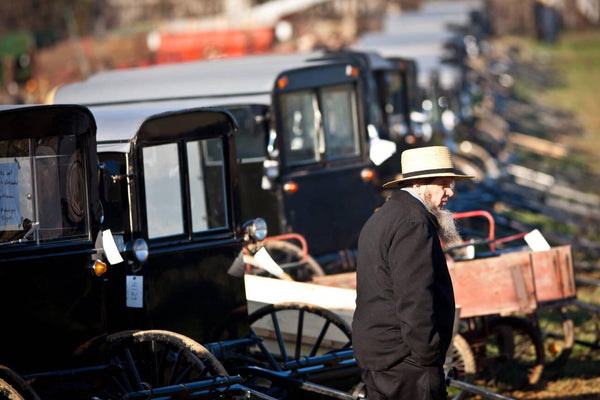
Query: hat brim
[(455, 176)]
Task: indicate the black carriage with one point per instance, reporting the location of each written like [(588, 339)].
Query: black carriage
[(117, 264), (304, 154)]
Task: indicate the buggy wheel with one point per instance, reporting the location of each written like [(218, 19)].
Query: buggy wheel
[(148, 360), (13, 387), (558, 335), (289, 256), (463, 361), (513, 354), (292, 333)]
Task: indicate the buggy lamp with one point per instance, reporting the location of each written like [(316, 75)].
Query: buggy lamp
[(351, 71), (138, 249), (282, 82), (256, 229), (98, 267), (367, 174), (290, 187)]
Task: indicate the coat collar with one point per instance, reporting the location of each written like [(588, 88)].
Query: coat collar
[(408, 199)]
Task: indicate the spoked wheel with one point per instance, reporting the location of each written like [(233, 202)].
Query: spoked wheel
[(514, 354), (463, 362), (292, 333), (295, 331), (149, 360), (290, 258), (152, 359), (558, 335)]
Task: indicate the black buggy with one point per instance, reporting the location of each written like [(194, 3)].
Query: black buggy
[(118, 259)]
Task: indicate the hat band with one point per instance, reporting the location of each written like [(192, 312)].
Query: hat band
[(427, 172)]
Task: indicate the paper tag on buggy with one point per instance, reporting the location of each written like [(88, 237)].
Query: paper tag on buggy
[(135, 291)]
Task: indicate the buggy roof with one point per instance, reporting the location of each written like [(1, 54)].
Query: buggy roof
[(214, 80), (118, 127), (36, 121)]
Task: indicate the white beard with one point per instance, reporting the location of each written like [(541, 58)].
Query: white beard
[(447, 229)]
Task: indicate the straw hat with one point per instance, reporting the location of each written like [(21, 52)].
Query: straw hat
[(426, 162)]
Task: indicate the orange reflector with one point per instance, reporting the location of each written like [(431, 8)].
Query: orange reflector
[(282, 82), (351, 71), (367, 174), (411, 139), (290, 187), (99, 268)]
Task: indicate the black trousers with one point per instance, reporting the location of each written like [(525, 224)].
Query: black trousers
[(406, 380)]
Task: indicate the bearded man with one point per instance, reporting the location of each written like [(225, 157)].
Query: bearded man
[(402, 325)]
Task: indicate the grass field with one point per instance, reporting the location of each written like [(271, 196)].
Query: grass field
[(574, 86)]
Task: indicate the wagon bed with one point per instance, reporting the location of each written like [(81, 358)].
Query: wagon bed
[(516, 282)]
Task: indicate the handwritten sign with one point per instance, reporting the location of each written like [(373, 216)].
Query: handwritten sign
[(9, 194)]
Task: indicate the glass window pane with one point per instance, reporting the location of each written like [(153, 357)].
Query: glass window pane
[(340, 122), (42, 197), (163, 191), (299, 127), (207, 184), (251, 136), (395, 105)]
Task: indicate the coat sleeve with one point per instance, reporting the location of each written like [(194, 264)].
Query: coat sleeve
[(412, 270)]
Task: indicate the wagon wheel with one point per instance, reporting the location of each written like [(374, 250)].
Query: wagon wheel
[(294, 331), (297, 331), (513, 355), (147, 360), (463, 361), (289, 256), (558, 335), (13, 387)]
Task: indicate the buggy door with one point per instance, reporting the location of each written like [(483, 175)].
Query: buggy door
[(188, 212), (325, 192), (47, 230)]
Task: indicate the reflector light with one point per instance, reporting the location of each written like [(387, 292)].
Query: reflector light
[(367, 174), (351, 71), (290, 187), (282, 82), (99, 268)]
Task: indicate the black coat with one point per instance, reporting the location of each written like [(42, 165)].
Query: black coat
[(404, 299)]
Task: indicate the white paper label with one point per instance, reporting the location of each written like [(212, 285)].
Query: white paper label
[(266, 262), (536, 241), (135, 291), (110, 248)]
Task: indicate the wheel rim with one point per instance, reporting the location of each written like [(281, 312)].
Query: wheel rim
[(558, 334), (153, 359), (514, 355)]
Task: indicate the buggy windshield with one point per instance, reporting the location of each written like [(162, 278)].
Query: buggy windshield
[(42, 190)]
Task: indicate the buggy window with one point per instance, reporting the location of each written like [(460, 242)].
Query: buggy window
[(165, 207), (250, 138), (42, 190), (395, 103), (339, 122), (300, 124), (163, 190), (207, 184)]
